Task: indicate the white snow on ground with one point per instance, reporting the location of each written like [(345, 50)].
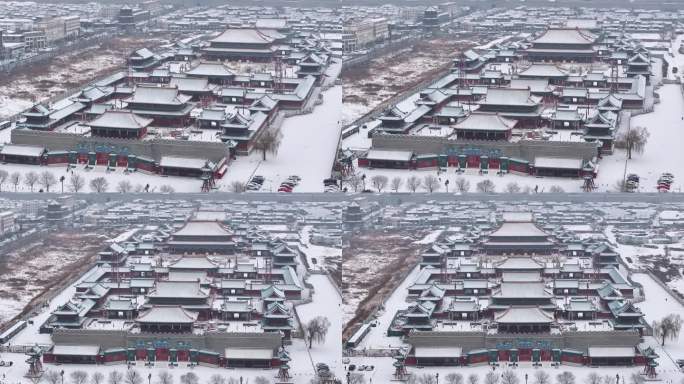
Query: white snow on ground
[(15, 374), (473, 176), (383, 372), (318, 252), (658, 304), (663, 151), (377, 336), (10, 106), (327, 302), (179, 184), (308, 149)]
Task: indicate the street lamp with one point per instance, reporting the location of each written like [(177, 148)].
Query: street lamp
[(437, 377), (62, 375), (446, 184), (348, 377), (526, 378), (149, 378)]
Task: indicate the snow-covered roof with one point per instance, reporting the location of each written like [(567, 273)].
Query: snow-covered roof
[(21, 150), (248, 353), (202, 228), (174, 315), (210, 70), (178, 289), (486, 122), (201, 263), (565, 36), (191, 84), (158, 95), (438, 352), (557, 162), (526, 315), (522, 290), (76, 350), (182, 162), (384, 155), (611, 352), (518, 229), (543, 70), (508, 96), (120, 120), (247, 36)]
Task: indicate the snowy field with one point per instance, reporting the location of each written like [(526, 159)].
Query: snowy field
[(308, 149), (327, 302)]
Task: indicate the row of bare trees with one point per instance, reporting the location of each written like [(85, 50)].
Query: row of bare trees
[(132, 376), (511, 377), (74, 183), (431, 183)]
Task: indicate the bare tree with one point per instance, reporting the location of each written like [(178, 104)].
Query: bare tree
[(634, 140), (413, 183), (556, 189), (47, 180), (52, 377), (541, 377), (115, 377), (566, 377), (396, 183), (76, 182), (217, 379), (124, 186), (473, 379), (164, 377), (15, 180), (261, 380), (139, 188), (356, 378), (166, 189), (98, 378), (379, 182), (512, 187), (268, 142), (485, 186), (431, 183), (30, 179), (427, 378), (594, 378), (4, 175), (668, 328), (509, 377), (453, 378), (636, 378), (79, 377), (99, 185), (237, 186), (189, 378), (133, 377), (355, 181), (609, 379), (317, 329), (462, 185), (491, 378)]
